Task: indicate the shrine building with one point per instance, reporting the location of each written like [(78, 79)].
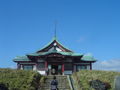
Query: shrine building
[(54, 59)]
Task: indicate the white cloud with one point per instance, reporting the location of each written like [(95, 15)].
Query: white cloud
[(89, 54), (81, 39), (111, 65)]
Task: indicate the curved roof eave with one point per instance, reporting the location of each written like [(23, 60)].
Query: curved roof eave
[(21, 58), (55, 52), (54, 39), (88, 58)]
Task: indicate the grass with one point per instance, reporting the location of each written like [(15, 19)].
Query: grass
[(82, 78)]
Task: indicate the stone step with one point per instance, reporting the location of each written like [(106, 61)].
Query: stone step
[(63, 83), (58, 88)]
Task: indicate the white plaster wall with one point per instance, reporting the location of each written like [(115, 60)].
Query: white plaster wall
[(34, 67), (67, 72), (42, 72), (21, 67), (88, 67)]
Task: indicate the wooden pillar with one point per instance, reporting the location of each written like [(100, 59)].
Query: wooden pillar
[(62, 68), (46, 65), (74, 68), (17, 66), (90, 66)]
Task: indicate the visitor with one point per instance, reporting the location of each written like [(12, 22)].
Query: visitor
[(54, 84)]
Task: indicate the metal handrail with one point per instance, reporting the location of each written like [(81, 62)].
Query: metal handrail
[(71, 83)]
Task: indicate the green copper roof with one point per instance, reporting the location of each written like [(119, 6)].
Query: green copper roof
[(57, 52), (21, 58), (77, 54), (48, 43), (54, 39), (88, 58)]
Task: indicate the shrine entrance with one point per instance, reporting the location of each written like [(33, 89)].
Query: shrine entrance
[(55, 69)]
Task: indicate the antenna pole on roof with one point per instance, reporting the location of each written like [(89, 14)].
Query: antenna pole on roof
[(55, 33)]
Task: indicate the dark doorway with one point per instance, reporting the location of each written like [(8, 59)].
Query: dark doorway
[(54, 69)]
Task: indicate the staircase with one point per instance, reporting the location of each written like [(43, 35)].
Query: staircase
[(63, 83)]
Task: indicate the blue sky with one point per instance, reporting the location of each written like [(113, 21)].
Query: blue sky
[(84, 26)]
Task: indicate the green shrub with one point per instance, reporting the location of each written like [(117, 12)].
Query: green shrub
[(82, 78), (20, 79)]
